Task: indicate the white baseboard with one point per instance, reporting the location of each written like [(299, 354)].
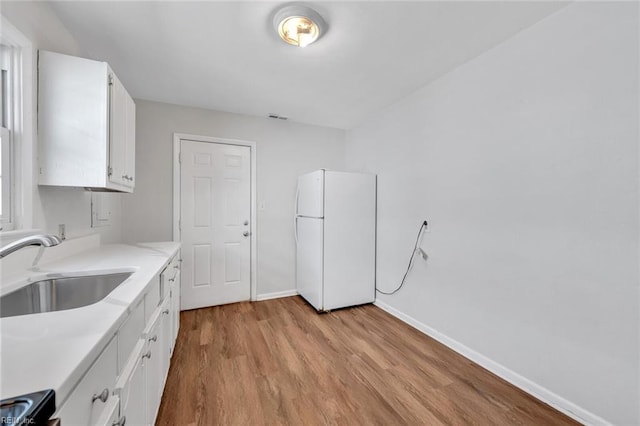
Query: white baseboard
[(567, 407), (276, 295)]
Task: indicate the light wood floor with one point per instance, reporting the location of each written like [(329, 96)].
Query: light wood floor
[(279, 362)]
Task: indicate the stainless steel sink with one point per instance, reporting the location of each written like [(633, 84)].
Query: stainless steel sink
[(59, 294), (30, 409)]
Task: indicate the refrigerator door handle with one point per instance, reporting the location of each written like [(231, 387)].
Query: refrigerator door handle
[(295, 216)]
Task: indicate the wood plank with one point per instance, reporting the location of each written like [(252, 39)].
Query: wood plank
[(278, 362)]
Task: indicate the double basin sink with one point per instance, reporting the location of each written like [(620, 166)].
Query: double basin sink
[(59, 294)]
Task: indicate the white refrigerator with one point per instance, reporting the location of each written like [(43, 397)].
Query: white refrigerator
[(335, 234)]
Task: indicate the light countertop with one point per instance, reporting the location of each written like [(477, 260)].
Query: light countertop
[(53, 350)]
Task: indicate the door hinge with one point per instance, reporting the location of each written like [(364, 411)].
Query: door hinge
[(179, 157), (179, 225), (109, 171), (110, 79)]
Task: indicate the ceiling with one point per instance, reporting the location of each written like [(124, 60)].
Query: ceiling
[(226, 55)]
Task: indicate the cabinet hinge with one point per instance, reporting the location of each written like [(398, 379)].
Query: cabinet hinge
[(109, 171)]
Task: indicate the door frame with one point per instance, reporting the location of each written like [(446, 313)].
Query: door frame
[(177, 138)]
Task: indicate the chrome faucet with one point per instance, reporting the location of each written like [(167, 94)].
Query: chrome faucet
[(33, 240)]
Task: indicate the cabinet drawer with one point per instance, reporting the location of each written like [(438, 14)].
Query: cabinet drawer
[(168, 276), (110, 416), (175, 309), (164, 283), (83, 407), (129, 333), (131, 387), (152, 298), (174, 265), (158, 351)]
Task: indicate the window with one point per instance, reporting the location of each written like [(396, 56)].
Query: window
[(17, 132), (6, 138)]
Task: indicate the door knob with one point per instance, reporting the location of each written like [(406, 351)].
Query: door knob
[(245, 233)]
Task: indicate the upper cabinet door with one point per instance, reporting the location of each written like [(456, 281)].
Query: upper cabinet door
[(86, 125), (130, 144), (122, 134), (117, 131), (310, 195)]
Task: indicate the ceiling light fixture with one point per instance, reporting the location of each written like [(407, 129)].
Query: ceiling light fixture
[(299, 25)]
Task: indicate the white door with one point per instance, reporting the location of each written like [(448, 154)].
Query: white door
[(309, 259), (215, 218)]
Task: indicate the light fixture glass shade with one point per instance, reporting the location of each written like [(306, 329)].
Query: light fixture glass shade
[(298, 24), (298, 30)]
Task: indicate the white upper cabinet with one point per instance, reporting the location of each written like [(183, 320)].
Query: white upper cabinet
[(86, 125)]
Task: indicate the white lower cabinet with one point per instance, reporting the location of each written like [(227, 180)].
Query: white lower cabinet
[(158, 349), (170, 282), (167, 342), (154, 380), (88, 401), (132, 387), (129, 334), (126, 382), (111, 415), (175, 309)]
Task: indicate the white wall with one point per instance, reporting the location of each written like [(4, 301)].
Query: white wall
[(284, 151), (46, 207), (525, 161)]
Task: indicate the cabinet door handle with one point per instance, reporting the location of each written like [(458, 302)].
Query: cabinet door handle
[(172, 279), (154, 338), (166, 311), (120, 422), (102, 396), (147, 355), (176, 266)]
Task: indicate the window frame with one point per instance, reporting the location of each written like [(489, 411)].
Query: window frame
[(7, 106), (6, 171), (22, 126)]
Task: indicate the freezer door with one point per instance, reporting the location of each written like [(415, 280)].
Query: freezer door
[(349, 239), (309, 260), (310, 195)]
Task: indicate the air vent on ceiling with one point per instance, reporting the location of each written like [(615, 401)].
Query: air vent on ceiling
[(279, 117)]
